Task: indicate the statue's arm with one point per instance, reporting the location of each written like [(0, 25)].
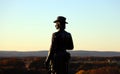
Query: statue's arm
[(70, 44), (52, 49)]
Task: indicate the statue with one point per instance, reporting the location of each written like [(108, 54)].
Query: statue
[(58, 58)]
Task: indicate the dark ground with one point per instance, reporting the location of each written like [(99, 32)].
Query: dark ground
[(77, 65)]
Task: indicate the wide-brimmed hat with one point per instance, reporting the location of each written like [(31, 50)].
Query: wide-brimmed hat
[(61, 19)]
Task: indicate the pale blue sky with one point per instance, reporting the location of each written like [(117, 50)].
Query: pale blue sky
[(28, 24)]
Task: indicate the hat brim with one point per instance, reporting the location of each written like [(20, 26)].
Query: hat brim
[(59, 21)]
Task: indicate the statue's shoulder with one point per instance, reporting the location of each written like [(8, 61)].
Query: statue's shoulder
[(54, 35), (67, 33), (63, 33)]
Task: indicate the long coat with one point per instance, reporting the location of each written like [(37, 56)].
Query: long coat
[(61, 41)]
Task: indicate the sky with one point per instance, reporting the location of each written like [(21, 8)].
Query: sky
[(27, 25)]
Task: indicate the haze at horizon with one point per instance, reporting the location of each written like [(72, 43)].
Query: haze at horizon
[(27, 25)]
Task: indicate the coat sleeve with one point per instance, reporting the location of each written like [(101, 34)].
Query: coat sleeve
[(69, 44), (52, 48)]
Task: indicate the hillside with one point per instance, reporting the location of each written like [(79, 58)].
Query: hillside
[(44, 53)]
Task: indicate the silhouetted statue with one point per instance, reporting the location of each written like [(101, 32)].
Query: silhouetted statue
[(58, 57)]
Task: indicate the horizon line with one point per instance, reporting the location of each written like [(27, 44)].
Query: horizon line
[(48, 50)]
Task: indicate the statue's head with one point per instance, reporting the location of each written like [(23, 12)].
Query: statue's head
[(60, 22)]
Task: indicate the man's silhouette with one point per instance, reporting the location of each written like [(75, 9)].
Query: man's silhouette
[(58, 57)]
